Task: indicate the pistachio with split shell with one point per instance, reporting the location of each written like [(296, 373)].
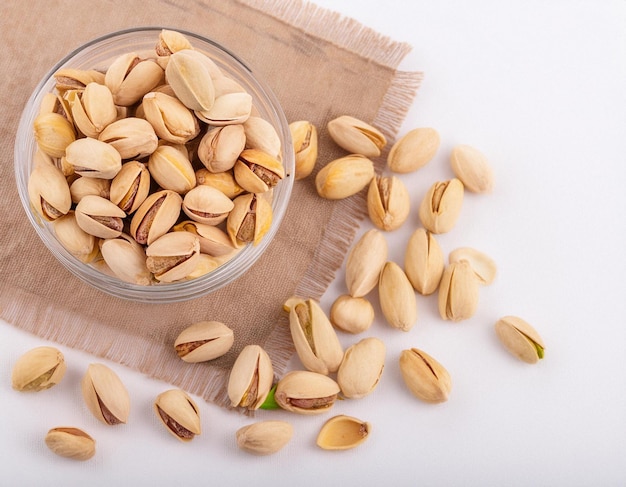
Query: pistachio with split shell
[(264, 437), (179, 414), (53, 133), (172, 121), (132, 137), (38, 369), (413, 150), (441, 206), (202, 341), (225, 85), (314, 337), (520, 339), (227, 109), (155, 216), (205, 264), (93, 158), (188, 75), (484, 267), (342, 433), (173, 256), (472, 168), (424, 376), (344, 177), (213, 240), (458, 292), (56, 103), (224, 181), (261, 135), (257, 172), (76, 79), (71, 443), (127, 259), (305, 146), (48, 192), (306, 392), (250, 378), (99, 217), (423, 261), (129, 78), (356, 136), (352, 315), (361, 368), (171, 169), (397, 297), (220, 147), (40, 157), (105, 395), (171, 41), (249, 220), (388, 202), (92, 108), (131, 186), (205, 204), (364, 263), (82, 186), (74, 239)]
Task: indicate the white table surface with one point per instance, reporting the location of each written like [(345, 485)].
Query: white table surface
[(539, 87)]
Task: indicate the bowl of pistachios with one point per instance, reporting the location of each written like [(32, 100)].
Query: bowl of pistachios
[(154, 164)]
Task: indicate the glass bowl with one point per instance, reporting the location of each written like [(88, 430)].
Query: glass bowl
[(98, 54)]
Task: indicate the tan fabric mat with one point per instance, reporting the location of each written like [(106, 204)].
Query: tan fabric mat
[(319, 65)]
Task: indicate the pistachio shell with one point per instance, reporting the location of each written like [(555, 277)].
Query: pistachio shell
[(93, 158), (171, 41), (364, 263), (388, 202), (75, 240), (264, 437), (250, 378), (92, 108), (129, 78), (53, 133), (257, 172), (441, 206), (352, 315), (72, 78), (179, 414), (173, 256), (205, 204), (423, 261), (171, 169), (131, 186), (305, 145), (397, 297), (132, 137), (362, 366), (484, 267), (342, 433), (458, 292), (202, 341), (224, 181), (472, 168), (48, 192), (105, 394), (227, 109), (99, 217), (213, 240), (38, 369), (249, 220), (190, 79), (220, 147), (126, 259), (306, 392), (356, 136), (172, 121), (71, 443), (261, 135), (426, 378), (82, 186), (520, 339), (413, 150), (156, 215), (344, 177)]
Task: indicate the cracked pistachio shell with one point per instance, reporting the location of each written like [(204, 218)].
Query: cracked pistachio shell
[(82, 186), (224, 181), (441, 206), (205, 264), (423, 261), (343, 433), (225, 85), (171, 41), (38, 369), (364, 263), (71, 443), (93, 158), (171, 169), (306, 392), (188, 75), (484, 267), (131, 186), (76, 79), (352, 315), (126, 259), (251, 378), (155, 216), (202, 341), (249, 220), (99, 217), (129, 78), (261, 135), (172, 121), (105, 395), (220, 147), (413, 150), (53, 133), (520, 339), (264, 437), (173, 256), (74, 239), (388, 202), (362, 367), (48, 192), (227, 109), (314, 337), (426, 378), (205, 204), (213, 240), (305, 146), (472, 168), (132, 137), (179, 414), (397, 297), (257, 172), (92, 108), (458, 292), (356, 136), (344, 177)]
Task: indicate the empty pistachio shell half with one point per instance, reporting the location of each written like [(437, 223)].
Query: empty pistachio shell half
[(356, 136), (364, 263), (441, 206), (105, 395), (342, 433), (361, 368), (179, 414), (388, 202), (352, 315), (306, 392), (426, 378), (413, 150), (472, 168), (423, 261), (397, 297), (38, 369), (71, 443), (305, 146), (264, 437), (250, 378), (483, 266), (520, 339), (344, 177), (458, 292), (202, 341)]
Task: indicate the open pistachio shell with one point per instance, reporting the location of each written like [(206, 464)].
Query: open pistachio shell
[(249, 220), (105, 395), (261, 135), (228, 109), (49, 192), (365, 261), (172, 121), (127, 259), (132, 137), (173, 256), (441, 206), (305, 146), (250, 378), (306, 392), (257, 171), (484, 267), (93, 158), (156, 215), (129, 78), (458, 292), (220, 147), (423, 261), (520, 339), (179, 414), (38, 369), (76, 241), (171, 169), (424, 376), (189, 77), (388, 202), (53, 133), (99, 217), (81, 187), (92, 108), (131, 186), (356, 136), (224, 181), (205, 204), (342, 433), (202, 341)]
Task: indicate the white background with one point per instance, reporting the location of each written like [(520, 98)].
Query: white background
[(539, 87)]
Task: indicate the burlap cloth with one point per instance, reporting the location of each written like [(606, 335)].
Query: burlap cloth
[(319, 64)]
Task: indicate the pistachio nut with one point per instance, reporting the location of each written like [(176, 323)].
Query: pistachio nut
[(441, 206), (173, 256), (171, 169), (227, 109), (344, 177), (55, 103), (257, 172), (472, 168), (423, 261), (132, 137), (130, 187), (342, 433), (356, 136), (458, 292), (261, 135), (53, 133), (105, 395), (171, 41), (179, 414), (202, 341), (388, 202), (205, 204), (397, 297), (484, 267), (126, 259), (93, 158), (74, 239), (48, 192), (413, 150), (129, 78), (364, 263), (426, 378), (99, 217), (362, 367), (172, 121), (264, 437), (76, 79), (352, 315), (82, 186), (250, 378), (306, 392), (41, 158), (249, 220), (224, 181), (314, 337), (205, 264), (92, 108), (520, 339), (213, 240), (188, 75), (71, 443), (155, 216), (220, 147), (305, 145), (38, 369)]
